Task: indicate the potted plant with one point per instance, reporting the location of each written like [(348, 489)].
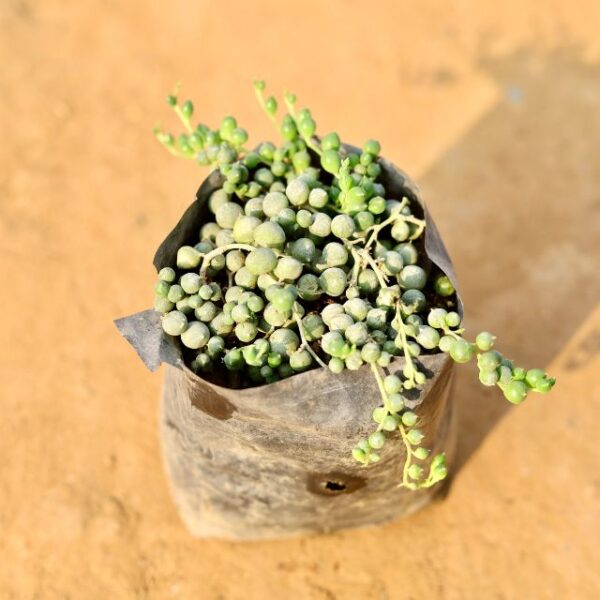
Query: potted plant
[(307, 311)]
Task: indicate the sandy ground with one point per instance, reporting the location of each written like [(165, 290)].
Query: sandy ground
[(493, 111)]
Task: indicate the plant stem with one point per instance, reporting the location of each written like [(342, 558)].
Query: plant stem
[(183, 118), (408, 462), (454, 334), (312, 146), (418, 222), (382, 392), (407, 355), (356, 267), (375, 229), (261, 102), (221, 250), (384, 397), (369, 259), (305, 343), (291, 109)]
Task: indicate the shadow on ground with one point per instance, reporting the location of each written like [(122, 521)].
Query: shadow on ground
[(517, 201)]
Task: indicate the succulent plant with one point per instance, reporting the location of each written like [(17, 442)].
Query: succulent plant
[(310, 263)]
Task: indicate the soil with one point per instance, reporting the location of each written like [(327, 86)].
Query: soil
[(493, 112)]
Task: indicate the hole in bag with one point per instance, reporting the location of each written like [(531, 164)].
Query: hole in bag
[(333, 484)]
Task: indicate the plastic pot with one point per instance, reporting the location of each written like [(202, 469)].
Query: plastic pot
[(275, 460)]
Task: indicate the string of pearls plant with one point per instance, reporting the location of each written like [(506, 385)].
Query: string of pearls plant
[(310, 263)]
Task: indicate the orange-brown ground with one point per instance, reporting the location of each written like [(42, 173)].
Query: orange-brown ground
[(493, 111)]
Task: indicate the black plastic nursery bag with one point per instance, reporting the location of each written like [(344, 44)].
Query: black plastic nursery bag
[(275, 460)]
